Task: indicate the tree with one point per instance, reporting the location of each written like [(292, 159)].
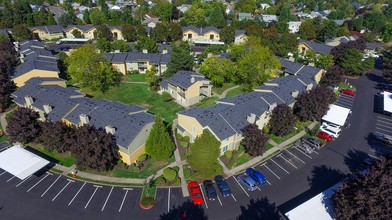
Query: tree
[(195, 15), (169, 174), (86, 16), (324, 61), (152, 78), (7, 87), (387, 33), (51, 20), (374, 21), (146, 43), (164, 10), (340, 50), (159, 144), (254, 30), (329, 31), (366, 195), (313, 105), (352, 62), (282, 120), (8, 57), (181, 58), (387, 65), (246, 6), (66, 19), (93, 149), (97, 17), (103, 32), (104, 45), (204, 154), (216, 17), (91, 69), (254, 140), (56, 136), (218, 70), (307, 30), (23, 125), (333, 76), (21, 33), (121, 45), (77, 34), (129, 33), (227, 34)]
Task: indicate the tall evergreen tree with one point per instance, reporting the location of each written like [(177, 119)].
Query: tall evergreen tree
[(181, 58), (159, 144)]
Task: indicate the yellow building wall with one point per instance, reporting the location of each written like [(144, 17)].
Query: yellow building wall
[(194, 90), (43, 35), (89, 34), (185, 35), (69, 32), (120, 67), (119, 34), (190, 124), (20, 80), (318, 76), (132, 158), (206, 36), (59, 83), (303, 48)]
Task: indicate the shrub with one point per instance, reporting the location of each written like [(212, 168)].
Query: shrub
[(143, 157), (187, 172), (177, 169), (229, 154), (169, 174), (178, 136), (186, 138), (160, 181), (147, 201), (133, 72), (184, 144), (166, 97)]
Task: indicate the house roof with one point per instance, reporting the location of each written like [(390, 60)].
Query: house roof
[(200, 31), (34, 64), (119, 57), (84, 28), (30, 44), (184, 79), (317, 47), (50, 29), (374, 46), (243, 14), (289, 66), (239, 32), (33, 54)]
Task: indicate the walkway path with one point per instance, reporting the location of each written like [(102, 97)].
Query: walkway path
[(131, 82), (3, 121), (224, 93)]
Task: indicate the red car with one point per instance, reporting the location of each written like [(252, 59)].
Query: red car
[(347, 92), (195, 193), (323, 135)]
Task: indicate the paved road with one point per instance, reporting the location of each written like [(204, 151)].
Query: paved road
[(293, 177)]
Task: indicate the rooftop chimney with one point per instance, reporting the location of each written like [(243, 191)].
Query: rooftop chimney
[(164, 51), (110, 129), (47, 109), (251, 118), (272, 106), (309, 87), (145, 51), (295, 93), (193, 79), (84, 119), (29, 100)]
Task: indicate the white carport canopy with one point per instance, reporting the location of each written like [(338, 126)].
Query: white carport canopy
[(388, 102), (336, 115), (20, 162)]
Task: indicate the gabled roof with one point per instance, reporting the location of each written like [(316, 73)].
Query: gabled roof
[(34, 64), (239, 32), (184, 79), (200, 31), (50, 29), (289, 66), (84, 28), (33, 54), (29, 44), (374, 46), (119, 57), (317, 47)]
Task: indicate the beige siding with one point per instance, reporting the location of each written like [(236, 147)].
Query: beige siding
[(120, 67), (20, 80)]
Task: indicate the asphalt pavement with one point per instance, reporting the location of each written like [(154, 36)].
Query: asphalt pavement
[(293, 177)]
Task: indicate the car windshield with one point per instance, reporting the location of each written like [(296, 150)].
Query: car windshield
[(197, 195)]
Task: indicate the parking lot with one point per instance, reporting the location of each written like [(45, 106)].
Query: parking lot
[(345, 101), (384, 125)]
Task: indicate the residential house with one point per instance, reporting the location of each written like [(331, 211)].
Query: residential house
[(151, 22), (195, 34), (29, 44), (370, 46), (294, 26), (269, 18), (116, 32), (244, 16), (187, 87), (229, 116), (183, 8), (305, 45), (264, 6), (118, 61), (299, 69), (87, 31), (130, 125), (240, 36), (48, 32)]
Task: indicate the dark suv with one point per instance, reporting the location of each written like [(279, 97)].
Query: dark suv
[(313, 143), (384, 138), (210, 189), (223, 186)]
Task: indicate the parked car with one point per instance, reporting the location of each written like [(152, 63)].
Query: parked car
[(195, 193), (222, 185), (325, 136), (306, 148), (210, 190), (384, 86), (246, 181), (256, 176), (347, 92), (384, 138), (313, 143), (331, 131)]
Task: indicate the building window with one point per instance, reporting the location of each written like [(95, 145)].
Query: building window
[(226, 139), (189, 36), (224, 149), (211, 37), (193, 129)]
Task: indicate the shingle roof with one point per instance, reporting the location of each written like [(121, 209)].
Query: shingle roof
[(119, 57), (290, 67), (200, 31), (33, 54), (50, 29), (373, 46), (183, 79), (34, 64), (317, 47), (84, 28), (239, 32), (31, 44)]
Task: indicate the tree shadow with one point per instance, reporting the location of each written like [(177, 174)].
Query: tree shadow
[(377, 147), (187, 210), (354, 160), (375, 77), (259, 209), (378, 104)]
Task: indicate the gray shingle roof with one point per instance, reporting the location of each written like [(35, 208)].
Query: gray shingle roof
[(33, 54), (84, 28), (119, 57), (317, 47), (31, 44), (374, 46), (34, 64), (239, 32), (289, 66), (183, 79), (50, 29), (200, 31)]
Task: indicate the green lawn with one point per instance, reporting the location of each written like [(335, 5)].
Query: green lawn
[(4, 137), (140, 95), (299, 126), (206, 102), (134, 78), (225, 86), (64, 159), (235, 92), (267, 146)]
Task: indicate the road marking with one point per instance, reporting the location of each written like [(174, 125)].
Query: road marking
[(387, 126), (258, 188), (315, 152), (295, 156), (47, 174), (127, 188), (374, 157), (280, 155), (23, 181), (2, 173), (204, 198), (50, 186), (233, 197), (383, 129), (122, 203), (346, 97), (168, 201), (77, 193), (69, 181), (107, 198), (268, 182), (240, 186), (96, 188), (264, 164), (384, 118), (279, 166), (10, 179), (219, 199), (303, 152), (386, 122)]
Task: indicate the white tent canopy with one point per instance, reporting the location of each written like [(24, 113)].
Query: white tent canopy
[(388, 102), (20, 162), (336, 115)]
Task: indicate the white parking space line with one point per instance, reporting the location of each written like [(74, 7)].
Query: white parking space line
[(125, 196), (10, 179), (279, 166), (240, 186), (370, 155), (23, 181), (2, 173), (383, 129), (204, 198), (385, 122), (346, 98), (264, 164), (280, 155), (295, 156), (219, 199), (50, 186), (233, 197), (384, 118), (47, 174), (96, 188), (315, 152), (107, 198), (258, 188), (268, 182), (384, 125), (76, 194), (303, 152), (69, 181), (168, 201)]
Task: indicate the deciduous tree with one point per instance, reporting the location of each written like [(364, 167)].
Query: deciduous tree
[(128, 32), (387, 65), (21, 33), (146, 43), (218, 70), (333, 76), (352, 62), (121, 45), (282, 120), (7, 87), (56, 136), (159, 144), (76, 33), (23, 125), (227, 34), (66, 19), (103, 32), (254, 140)]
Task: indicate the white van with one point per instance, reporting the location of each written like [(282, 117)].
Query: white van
[(330, 125), (331, 131)]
